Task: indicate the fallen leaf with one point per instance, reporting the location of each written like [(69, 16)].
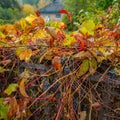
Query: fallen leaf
[(84, 67), (22, 88), (56, 62), (83, 115), (23, 53), (3, 110), (13, 108), (93, 65)]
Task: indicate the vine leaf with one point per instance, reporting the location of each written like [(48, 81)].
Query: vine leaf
[(84, 67), (69, 41), (11, 88), (56, 62), (81, 41), (22, 88), (3, 110), (23, 23), (13, 108), (23, 53), (87, 27), (93, 65), (30, 18)]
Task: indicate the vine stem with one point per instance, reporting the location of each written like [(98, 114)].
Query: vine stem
[(59, 110)]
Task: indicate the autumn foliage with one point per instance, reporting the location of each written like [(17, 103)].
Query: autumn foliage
[(41, 63)]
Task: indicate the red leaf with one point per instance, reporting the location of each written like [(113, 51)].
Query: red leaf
[(81, 41), (60, 36), (51, 42), (37, 13), (56, 62), (67, 13), (63, 11)]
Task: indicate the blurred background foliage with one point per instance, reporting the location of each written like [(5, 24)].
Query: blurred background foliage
[(81, 10), (94, 10)]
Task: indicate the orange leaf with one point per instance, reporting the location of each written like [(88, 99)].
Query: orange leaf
[(22, 88), (13, 108), (56, 62), (81, 41)]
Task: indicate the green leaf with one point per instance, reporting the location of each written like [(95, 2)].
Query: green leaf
[(11, 88), (2, 43), (1, 69), (84, 67), (93, 65), (3, 110)]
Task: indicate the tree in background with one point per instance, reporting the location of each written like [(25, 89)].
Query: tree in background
[(32, 2), (86, 9), (9, 4), (43, 3), (28, 9), (9, 11)]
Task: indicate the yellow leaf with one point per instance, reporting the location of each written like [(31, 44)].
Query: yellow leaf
[(23, 23), (2, 35), (23, 53), (22, 88), (30, 18), (19, 50), (87, 27), (83, 115), (69, 41), (84, 67), (1, 69)]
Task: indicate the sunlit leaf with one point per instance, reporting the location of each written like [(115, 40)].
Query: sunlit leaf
[(39, 21), (11, 88), (57, 24), (23, 53), (3, 110), (23, 23), (30, 18), (87, 27), (22, 88), (69, 41), (2, 35), (84, 67)]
